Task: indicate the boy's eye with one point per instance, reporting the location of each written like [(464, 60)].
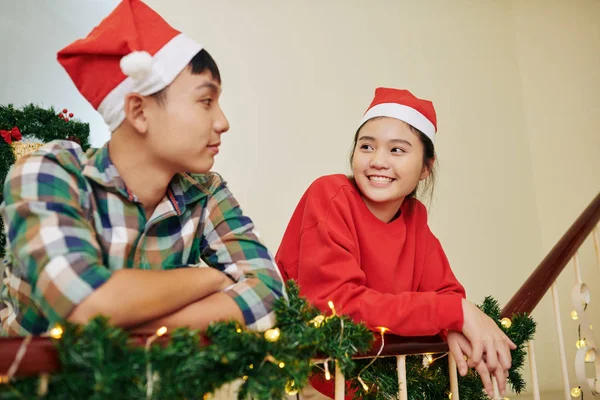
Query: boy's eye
[(208, 102)]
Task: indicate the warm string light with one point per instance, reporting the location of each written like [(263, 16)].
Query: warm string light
[(506, 323), (56, 332), (149, 375), (574, 315), (576, 392), (382, 330), (327, 373)]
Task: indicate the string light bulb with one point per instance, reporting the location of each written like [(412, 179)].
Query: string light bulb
[(282, 365), (575, 392), (161, 331), (364, 385), (330, 304), (506, 322), (56, 332), (580, 343), (574, 315)]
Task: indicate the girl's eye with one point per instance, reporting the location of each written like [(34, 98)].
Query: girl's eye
[(366, 147), (398, 150), (208, 102)]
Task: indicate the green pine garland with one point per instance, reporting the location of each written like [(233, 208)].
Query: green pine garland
[(37, 123), (98, 361), (432, 382)]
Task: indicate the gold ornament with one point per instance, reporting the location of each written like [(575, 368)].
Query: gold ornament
[(506, 322), (290, 388), (317, 321), (273, 335), (575, 392), (4, 379), (23, 148)]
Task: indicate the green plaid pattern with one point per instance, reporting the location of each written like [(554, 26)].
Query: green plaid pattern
[(71, 222)]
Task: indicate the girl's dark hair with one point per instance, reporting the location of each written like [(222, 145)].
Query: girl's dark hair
[(201, 62), (424, 187)]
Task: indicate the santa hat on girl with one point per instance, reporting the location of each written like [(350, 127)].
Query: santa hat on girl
[(403, 105), (131, 50)]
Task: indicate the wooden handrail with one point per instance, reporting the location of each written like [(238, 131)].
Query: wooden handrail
[(538, 283), (41, 355)]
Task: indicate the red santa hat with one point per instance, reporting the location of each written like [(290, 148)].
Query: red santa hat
[(403, 105), (131, 50)]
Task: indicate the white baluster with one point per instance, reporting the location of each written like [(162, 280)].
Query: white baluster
[(596, 245), (340, 383), (453, 376), (533, 369), (561, 343), (577, 268), (401, 364)]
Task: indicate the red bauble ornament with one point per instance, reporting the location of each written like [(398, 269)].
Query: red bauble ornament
[(70, 115), (65, 111)]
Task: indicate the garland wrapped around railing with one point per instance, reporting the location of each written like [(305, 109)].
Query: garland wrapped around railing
[(99, 361)]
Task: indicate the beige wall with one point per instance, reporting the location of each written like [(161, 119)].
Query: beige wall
[(558, 52), (515, 85)]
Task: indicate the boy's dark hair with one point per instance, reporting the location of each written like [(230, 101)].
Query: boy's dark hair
[(429, 158), (201, 62)]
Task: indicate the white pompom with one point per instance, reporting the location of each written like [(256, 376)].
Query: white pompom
[(137, 65)]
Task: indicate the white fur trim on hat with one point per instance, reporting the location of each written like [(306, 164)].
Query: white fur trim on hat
[(403, 113), (166, 64)]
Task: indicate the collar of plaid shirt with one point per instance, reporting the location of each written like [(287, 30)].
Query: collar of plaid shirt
[(183, 189)]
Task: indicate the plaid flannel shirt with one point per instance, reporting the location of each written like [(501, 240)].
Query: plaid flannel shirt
[(71, 222)]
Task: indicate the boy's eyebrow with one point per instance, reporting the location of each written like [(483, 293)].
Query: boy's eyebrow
[(209, 85)]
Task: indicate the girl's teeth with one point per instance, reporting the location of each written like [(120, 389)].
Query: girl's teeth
[(379, 179)]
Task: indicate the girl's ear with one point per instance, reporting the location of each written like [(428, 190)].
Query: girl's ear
[(427, 169)]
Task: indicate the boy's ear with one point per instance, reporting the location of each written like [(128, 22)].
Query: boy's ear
[(135, 108)]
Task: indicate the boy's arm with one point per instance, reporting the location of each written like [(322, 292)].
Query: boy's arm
[(198, 315), (132, 296), (54, 250), (231, 244)]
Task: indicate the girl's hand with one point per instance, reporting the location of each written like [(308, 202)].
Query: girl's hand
[(488, 344)]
